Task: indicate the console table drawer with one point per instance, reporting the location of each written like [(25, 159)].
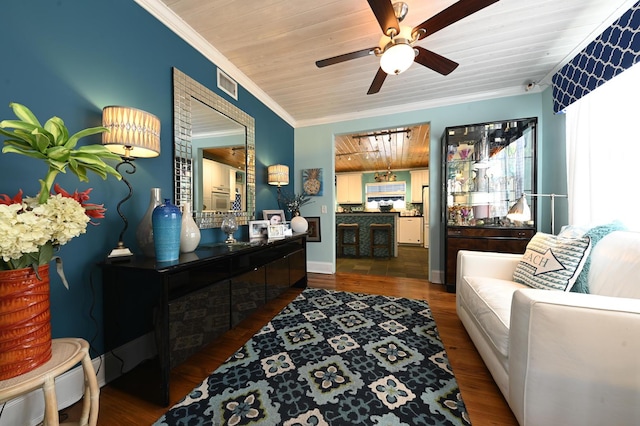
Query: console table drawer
[(185, 281)]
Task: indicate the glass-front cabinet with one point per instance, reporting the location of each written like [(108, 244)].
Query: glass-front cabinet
[(486, 168)]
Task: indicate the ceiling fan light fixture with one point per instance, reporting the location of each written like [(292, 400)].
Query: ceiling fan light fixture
[(397, 58)]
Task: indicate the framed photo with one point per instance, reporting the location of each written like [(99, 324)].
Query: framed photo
[(314, 229), (312, 181), (274, 217), (258, 228), (276, 231)]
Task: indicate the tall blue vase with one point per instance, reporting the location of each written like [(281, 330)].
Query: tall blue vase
[(167, 222)]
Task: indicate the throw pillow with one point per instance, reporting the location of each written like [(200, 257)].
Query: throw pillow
[(551, 262), (595, 234)]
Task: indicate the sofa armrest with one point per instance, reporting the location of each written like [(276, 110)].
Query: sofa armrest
[(486, 264), (574, 358)]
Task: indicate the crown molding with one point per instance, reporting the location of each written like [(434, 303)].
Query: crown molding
[(176, 24), (416, 106)]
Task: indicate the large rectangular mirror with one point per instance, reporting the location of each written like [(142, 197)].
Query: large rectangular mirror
[(214, 154)]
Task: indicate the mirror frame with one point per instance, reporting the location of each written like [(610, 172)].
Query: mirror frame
[(184, 89)]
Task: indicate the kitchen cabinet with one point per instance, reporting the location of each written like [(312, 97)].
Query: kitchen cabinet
[(349, 188), (409, 230), (215, 175), (419, 178), (486, 168)]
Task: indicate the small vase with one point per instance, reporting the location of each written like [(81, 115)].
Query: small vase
[(229, 226), (25, 321), (299, 223), (190, 233), (167, 222), (144, 233)]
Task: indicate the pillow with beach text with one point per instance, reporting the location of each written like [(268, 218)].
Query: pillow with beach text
[(551, 262)]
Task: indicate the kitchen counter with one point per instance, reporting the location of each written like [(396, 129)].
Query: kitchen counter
[(364, 219), (363, 212), (374, 213)]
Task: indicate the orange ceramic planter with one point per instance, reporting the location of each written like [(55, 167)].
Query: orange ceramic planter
[(25, 321)]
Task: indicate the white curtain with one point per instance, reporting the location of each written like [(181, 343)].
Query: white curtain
[(603, 153)]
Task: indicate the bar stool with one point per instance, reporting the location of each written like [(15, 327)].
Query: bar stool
[(343, 229), (384, 230), (65, 354)]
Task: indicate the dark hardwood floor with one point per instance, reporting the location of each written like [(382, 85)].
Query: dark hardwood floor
[(483, 400), (412, 262)]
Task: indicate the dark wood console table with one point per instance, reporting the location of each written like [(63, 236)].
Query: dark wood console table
[(190, 302)]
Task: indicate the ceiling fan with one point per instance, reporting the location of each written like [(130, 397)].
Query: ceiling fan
[(396, 48)]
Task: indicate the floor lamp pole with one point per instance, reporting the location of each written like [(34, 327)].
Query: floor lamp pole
[(553, 208)]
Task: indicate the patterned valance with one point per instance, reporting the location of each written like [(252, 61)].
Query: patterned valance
[(615, 50)]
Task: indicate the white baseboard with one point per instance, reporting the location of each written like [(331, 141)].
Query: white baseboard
[(28, 409), (437, 277), (320, 267)]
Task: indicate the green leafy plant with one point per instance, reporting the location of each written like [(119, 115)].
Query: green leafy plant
[(52, 144), (293, 201), (31, 228)]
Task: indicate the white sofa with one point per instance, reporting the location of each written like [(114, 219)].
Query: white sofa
[(559, 358)]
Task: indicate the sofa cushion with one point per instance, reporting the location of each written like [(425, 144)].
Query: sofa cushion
[(551, 262), (488, 301), (615, 266)]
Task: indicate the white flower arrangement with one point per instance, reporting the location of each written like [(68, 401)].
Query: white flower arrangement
[(27, 226)]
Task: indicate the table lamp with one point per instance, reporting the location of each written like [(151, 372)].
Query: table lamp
[(133, 133)]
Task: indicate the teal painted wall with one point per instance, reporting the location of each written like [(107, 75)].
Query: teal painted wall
[(552, 167), (72, 58), (314, 147)]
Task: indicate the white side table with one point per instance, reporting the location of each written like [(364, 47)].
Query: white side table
[(65, 354)]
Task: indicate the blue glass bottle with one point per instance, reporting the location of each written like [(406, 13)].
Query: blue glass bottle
[(167, 222)]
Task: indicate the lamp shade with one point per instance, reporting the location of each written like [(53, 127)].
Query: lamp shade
[(398, 54), (278, 174), (132, 132), (397, 58), (520, 211)]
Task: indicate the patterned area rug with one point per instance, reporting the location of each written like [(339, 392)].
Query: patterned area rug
[(333, 358)]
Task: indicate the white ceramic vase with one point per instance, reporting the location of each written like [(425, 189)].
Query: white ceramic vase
[(299, 224), (190, 233), (144, 233)]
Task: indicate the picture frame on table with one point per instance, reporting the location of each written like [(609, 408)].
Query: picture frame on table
[(313, 232), (258, 228), (276, 232), (275, 217)]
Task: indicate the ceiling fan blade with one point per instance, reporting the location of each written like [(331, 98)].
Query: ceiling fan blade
[(377, 82), (434, 61), (345, 57), (383, 9), (452, 14)]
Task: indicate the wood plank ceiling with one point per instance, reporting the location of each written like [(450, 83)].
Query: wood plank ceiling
[(398, 148), (270, 47), (273, 45)]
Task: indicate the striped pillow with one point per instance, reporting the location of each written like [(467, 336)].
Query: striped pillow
[(552, 263)]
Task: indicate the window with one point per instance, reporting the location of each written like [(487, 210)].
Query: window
[(603, 147)]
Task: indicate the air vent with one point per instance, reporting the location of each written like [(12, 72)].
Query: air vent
[(227, 84)]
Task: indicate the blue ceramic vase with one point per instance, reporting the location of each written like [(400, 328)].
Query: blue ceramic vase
[(167, 222)]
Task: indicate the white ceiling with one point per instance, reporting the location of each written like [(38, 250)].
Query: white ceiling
[(270, 48)]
